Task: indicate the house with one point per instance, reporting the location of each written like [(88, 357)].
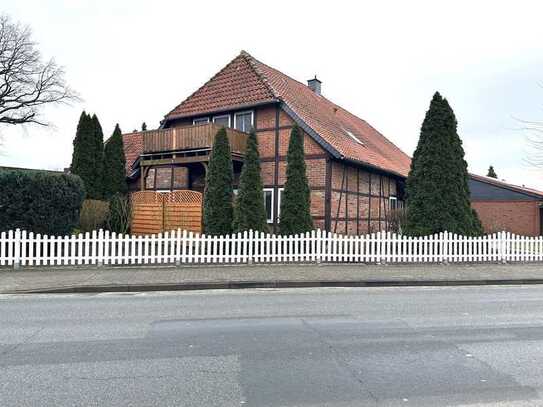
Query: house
[(503, 206), (355, 174)]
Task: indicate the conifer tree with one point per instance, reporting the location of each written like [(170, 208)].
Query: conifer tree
[(114, 180), (491, 173), (218, 210), (143, 126), (84, 155), (94, 185), (249, 210), (296, 200), (437, 186)]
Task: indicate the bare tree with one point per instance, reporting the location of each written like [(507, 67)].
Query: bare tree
[(26, 82), (535, 143)]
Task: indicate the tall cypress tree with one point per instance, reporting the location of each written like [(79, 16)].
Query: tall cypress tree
[(296, 200), (491, 173), (218, 211), (437, 185), (94, 184), (249, 211), (114, 180), (83, 160)]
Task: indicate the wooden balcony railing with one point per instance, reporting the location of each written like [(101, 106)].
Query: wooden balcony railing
[(196, 137)]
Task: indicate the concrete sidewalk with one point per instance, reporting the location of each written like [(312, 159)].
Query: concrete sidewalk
[(244, 276)]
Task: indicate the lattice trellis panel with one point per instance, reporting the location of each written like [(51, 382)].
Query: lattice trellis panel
[(155, 212)]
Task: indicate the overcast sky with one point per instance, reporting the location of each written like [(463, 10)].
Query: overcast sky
[(133, 61)]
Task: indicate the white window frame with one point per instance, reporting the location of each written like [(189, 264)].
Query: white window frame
[(264, 190), (221, 116), (200, 120), (393, 199), (244, 112)]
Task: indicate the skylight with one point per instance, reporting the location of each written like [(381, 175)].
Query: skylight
[(351, 135)]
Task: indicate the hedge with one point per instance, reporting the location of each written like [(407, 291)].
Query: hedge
[(40, 202)]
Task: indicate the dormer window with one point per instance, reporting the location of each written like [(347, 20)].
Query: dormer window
[(243, 121)]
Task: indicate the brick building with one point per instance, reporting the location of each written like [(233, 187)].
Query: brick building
[(356, 175), (503, 206)]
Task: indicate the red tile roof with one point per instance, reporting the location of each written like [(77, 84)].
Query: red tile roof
[(246, 81), (133, 147), (237, 84), (353, 138), (506, 185)]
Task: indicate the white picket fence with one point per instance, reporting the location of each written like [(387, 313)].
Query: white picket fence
[(19, 248)]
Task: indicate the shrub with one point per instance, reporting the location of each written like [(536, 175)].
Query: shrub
[(120, 213), (39, 201), (94, 214), (396, 220)]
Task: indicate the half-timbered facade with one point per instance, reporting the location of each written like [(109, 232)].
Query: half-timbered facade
[(355, 174)]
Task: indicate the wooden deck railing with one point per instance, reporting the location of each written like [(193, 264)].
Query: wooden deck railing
[(200, 136)]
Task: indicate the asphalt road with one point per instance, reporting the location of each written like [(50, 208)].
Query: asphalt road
[(476, 346)]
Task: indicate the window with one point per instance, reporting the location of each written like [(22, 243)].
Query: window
[(201, 120), (163, 179), (150, 179), (393, 202), (268, 204), (180, 177), (223, 120), (243, 121)]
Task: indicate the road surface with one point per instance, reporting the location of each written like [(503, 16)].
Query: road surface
[(462, 346)]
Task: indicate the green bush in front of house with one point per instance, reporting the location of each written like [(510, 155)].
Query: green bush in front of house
[(218, 211), (40, 202), (437, 186), (296, 199), (249, 210)]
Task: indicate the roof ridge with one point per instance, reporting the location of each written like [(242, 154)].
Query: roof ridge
[(205, 84), (252, 63), (503, 183)]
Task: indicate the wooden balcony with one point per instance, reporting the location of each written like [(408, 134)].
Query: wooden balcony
[(191, 138)]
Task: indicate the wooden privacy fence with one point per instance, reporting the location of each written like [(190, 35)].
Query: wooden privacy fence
[(182, 247), (156, 212)]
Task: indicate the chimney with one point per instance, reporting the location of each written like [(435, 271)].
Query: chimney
[(315, 85)]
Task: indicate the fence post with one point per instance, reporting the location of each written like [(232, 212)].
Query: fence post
[(178, 247), (444, 247), (100, 259), (503, 246), (17, 249), (250, 247)]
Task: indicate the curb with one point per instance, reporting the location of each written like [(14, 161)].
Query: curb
[(236, 285)]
